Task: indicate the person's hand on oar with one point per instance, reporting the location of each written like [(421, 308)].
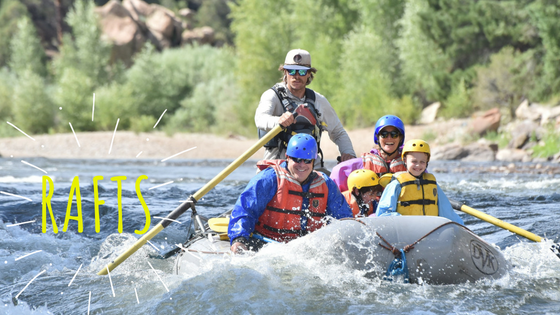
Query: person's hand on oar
[(504, 225)]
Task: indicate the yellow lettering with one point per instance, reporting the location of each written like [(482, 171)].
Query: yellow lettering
[(75, 187), (47, 204), (118, 179), (97, 202), (144, 206)]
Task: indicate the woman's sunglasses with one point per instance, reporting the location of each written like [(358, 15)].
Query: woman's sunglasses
[(298, 160), (301, 72), (394, 134)]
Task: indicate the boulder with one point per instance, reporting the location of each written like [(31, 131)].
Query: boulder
[(481, 151), (121, 30), (521, 133), (429, 113), (451, 151), (202, 35), (487, 121), (513, 155)]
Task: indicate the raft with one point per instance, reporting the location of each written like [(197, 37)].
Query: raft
[(436, 250)]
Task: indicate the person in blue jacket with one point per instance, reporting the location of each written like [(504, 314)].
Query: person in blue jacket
[(415, 192), (286, 200)]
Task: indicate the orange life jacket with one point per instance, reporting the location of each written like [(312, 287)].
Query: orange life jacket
[(377, 164), (281, 220), (353, 203)]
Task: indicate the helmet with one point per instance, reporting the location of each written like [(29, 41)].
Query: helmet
[(362, 178), (302, 146), (416, 145), (388, 120)]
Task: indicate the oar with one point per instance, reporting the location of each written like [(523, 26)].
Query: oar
[(504, 225), (192, 199), (220, 225)]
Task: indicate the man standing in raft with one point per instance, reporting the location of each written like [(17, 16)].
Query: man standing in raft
[(386, 158), (315, 112), (285, 201), (416, 192)]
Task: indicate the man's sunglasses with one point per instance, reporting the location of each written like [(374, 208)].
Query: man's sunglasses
[(298, 160), (301, 72), (394, 134)]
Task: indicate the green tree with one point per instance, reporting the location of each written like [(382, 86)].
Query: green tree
[(26, 50), (32, 106), (84, 50), (545, 15), (11, 11)]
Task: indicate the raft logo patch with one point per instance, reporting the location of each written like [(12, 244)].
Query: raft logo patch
[(315, 203), (483, 258)]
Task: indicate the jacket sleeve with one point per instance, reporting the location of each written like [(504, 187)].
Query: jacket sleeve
[(251, 204), (389, 199), (337, 207), (341, 171), (269, 110), (334, 127), (445, 208)]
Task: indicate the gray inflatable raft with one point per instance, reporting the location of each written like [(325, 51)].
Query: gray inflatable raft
[(437, 250)]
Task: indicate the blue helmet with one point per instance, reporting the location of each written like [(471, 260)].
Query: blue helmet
[(388, 120), (302, 146)]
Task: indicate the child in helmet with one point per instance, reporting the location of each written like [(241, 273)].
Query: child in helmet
[(363, 191), (384, 158), (416, 192)]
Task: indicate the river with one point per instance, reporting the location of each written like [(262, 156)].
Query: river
[(56, 273)]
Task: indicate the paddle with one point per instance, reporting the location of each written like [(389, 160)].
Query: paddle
[(220, 225), (504, 225), (192, 200)]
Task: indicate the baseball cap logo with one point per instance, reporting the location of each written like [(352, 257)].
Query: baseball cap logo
[(297, 58)]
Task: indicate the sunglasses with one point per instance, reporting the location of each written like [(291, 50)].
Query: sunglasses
[(298, 160), (301, 72), (394, 134)]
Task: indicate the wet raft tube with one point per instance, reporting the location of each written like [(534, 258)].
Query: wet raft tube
[(442, 252)]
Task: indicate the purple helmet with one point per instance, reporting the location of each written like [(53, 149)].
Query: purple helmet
[(302, 146), (388, 120)]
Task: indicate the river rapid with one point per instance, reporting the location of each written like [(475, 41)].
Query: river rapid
[(56, 273)]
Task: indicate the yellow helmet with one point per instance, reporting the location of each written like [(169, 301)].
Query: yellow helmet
[(416, 145), (362, 178)]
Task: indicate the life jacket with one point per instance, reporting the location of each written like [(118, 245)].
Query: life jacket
[(418, 196), (281, 219), (378, 165), (357, 210), (306, 122)]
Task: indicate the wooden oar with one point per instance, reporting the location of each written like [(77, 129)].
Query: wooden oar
[(504, 225), (192, 199)]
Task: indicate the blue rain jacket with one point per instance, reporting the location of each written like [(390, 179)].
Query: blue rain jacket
[(253, 200)]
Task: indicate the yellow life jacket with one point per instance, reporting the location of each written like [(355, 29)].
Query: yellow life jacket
[(418, 196)]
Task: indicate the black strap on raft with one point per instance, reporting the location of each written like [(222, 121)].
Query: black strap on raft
[(423, 202)]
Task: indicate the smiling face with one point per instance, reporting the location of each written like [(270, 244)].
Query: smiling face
[(300, 171), (416, 162), (296, 83), (389, 144)]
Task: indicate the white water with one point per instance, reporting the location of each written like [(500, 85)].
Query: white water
[(301, 277)]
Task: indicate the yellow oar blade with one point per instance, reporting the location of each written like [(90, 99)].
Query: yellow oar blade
[(219, 225), (497, 222), (199, 194)]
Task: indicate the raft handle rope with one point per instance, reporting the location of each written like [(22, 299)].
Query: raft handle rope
[(398, 266)]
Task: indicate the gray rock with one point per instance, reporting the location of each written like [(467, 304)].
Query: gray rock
[(512, 155), (429, 113)]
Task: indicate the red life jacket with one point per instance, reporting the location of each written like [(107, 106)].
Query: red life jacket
[(353, 203), (377, 164), (281, 220)]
